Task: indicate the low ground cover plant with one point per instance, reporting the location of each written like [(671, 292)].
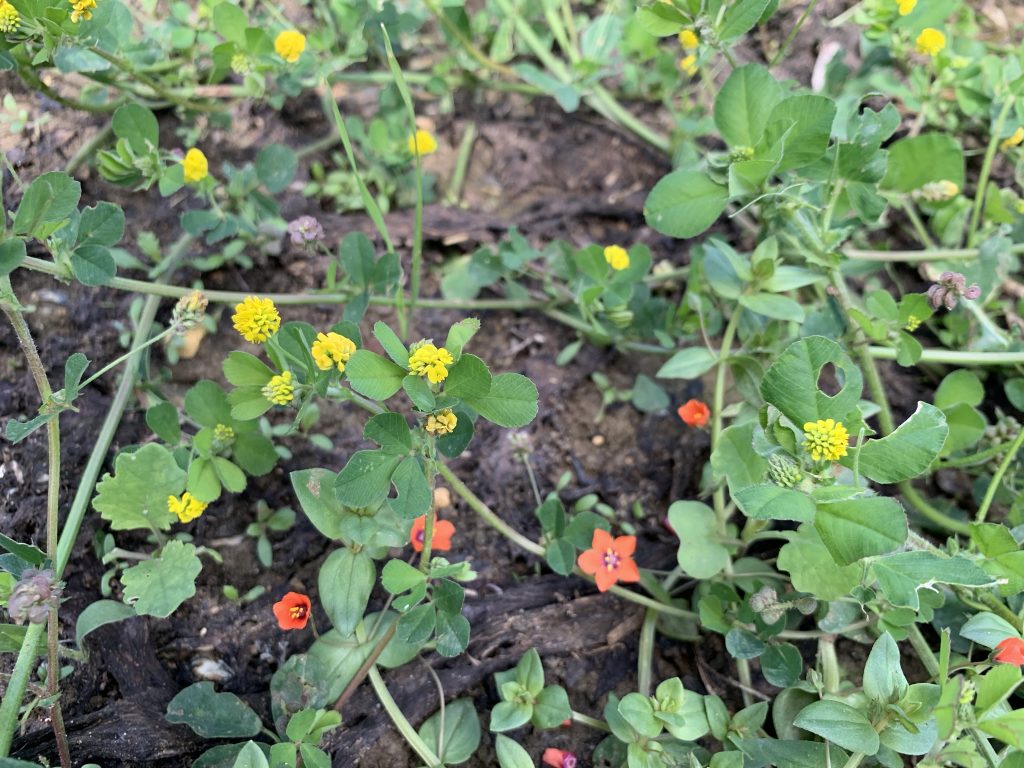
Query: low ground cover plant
[(814, 299)]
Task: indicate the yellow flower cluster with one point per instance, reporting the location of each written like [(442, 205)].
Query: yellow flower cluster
[(442, 423), (906, 6), (9, 18), (290, 44), (332, 349), (931, 41), (195, 166), (431, 361), (688, 64), (913, 323), (1013, 140), (617, 257), (689, 40), (81, 9), (825, 439), (256, 319), (280, 390), (187, 508), (422, 143)]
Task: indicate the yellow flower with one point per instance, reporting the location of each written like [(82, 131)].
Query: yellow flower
[(913, 323), (1013, 140), (442, 422), (187, 508), (280, 390), (81, 9), (825, 439), (931, 41), (332, 349), (290, 44), (422, 142), (431, 361), (617, 257), (689, 40), (256, 319), (906, 6), (195, 165), (688, 64), (9, 17)]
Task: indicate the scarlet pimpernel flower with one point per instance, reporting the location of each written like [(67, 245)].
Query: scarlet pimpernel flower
[(280, 390), (931, 41), (825, 439), (256, 319), (558, 758), (332, 350), (1010, 651), (617, 257), (609, 559), (195, 166), (430, 361), (422, 143), (187, 508), (10, 19), (442, 423), (442, 539), (290, 44), (292, 611), (694, 413)]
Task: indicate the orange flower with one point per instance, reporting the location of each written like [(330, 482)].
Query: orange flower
[(609, 560), (695, 413), (1010, 651), (558, 758), (292, 611), (443, 532)]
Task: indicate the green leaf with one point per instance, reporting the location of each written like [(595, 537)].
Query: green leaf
[(366, 478), (812, 569), (507, 716), (30, 554), (207, 404), (245, 370), (230, 476), (551, 707), (453, 444), (47, 202), (74, 367), (781, 665), (918, 160), (391, 343), (700, 554), (162, 418), (418, 390), (648, 397), (468, 379), (767, 501), (638, 711), (987, 629), (461, 736), (742, 644), (98, 614), (452, 634), (863, 526), (805, 122), (840, 724), (906, 453), (16, 431), (138, 126), (511, 402), (1008, 728), (374, 376), (156, 587), (251, 756), (903, 575), (884, 681), (688, 364), (773, 306), (357, 258), (685, 203), (791, 383), (740, 18), (398, 577), (744, 105), (345, 582), (459, 335), (102, 224), (93, 264), (391, 432), (12, 253), (135, 496), (212, 715), (735, 458), (510, 754), (414, 496), (275, 164), (230, 22), (961, 386)]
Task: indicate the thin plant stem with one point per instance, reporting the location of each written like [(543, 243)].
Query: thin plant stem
[(923, 650), (986, 168), (793, 33), (937, 516), (16, 685), (997, 478), (88, 149), (113, 364), (365, 667), (440, 698), (454, 193), (645, 652), (915, 221), (592, 722), (475, 53), (402, 723)]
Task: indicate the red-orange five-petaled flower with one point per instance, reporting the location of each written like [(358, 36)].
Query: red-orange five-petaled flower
[(609, 560), (558, 758), (694, 413), (292, 611), (1010, 651), (443, 532)]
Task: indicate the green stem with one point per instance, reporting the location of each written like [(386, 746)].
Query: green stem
[(953, 357), (828, 663), (87, 150), (401, 722), (935, 254), (593, 722), (718, 405), (986, 168), (454, 192), (937, 516), (974, 459), (16, 685), (923, 650), (792, 35), (997, 478), (475, 53), (645, 653), (109, 366), (919, 228)]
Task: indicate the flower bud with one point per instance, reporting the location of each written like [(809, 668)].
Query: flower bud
[(783, 470), (33, 596), (305, 229), (188, 311)]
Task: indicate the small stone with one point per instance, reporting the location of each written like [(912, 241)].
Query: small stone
[(597, 440)]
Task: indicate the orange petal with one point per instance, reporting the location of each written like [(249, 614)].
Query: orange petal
[(627, 570), (443, 532), (605, 579), (624, 546), (590, 561), (602, 539)]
